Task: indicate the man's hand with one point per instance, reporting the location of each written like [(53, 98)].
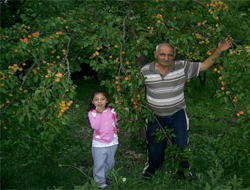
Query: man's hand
[(225, 46), (221, 47)]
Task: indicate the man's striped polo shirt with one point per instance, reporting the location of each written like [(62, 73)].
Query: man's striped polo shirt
[(165, 94)]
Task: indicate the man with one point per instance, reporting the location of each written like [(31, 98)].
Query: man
[(165, 81)]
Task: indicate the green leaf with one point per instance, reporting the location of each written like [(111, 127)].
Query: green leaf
[(220, 28), (23, 16)]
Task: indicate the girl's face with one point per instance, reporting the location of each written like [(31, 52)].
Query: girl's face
[(100, 101)]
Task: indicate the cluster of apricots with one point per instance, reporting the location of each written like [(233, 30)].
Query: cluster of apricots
[(26, 39), (240, 113), (136, 103), (2, 105), (116, 60), (4, 127), (159, 16), (150, 29), (7, 102), (223, 87), (96, 53), (64, 20), (59, 33), (24, 90), (36, 70), (216, 6), (223, 84), (53, 36), (49, 74), (15, 68), (4, 37), (3, 77), (25, 27), (238, 52), (199, 36), (127, 78), (64, 106), (12, 70), (209, 52), (202, 39), (235, 99), (59, 76), (118, 87), (247, 48), (218, 70), (202, 23), (118, 100)]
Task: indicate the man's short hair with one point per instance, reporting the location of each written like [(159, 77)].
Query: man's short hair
[(164, 44)]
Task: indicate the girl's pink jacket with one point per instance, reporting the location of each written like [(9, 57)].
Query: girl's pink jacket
[(104, 125)]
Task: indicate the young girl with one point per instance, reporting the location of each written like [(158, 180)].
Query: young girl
[(105, 140)]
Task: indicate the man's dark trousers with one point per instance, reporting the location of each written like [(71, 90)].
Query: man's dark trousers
[(156, 150)]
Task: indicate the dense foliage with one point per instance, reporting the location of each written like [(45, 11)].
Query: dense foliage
[(56, 38)]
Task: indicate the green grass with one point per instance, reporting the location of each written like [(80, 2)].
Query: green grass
[(69, 165)]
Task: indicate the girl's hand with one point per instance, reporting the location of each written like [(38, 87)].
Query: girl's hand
[(99, 110)]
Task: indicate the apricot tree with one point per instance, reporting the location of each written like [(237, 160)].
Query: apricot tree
[(115, 38)]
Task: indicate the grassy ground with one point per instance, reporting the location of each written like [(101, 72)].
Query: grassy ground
[(72, 168)]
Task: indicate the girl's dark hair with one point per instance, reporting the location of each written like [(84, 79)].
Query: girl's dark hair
[(99, 91)]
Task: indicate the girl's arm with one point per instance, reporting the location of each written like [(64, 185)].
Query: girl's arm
[(115, 116), (95, 120)]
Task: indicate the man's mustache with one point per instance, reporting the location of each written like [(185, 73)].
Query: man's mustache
[(166, 61)]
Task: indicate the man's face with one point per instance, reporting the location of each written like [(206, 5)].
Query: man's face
[(165, 55)]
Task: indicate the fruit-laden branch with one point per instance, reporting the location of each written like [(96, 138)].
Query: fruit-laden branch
[(28, 73), (76, 56), (162, 127), (54, 82), (76, 35), (121, 64), (124, 26), (121, 49), (204, 5), (25, 78), (12, 100), (228, 36), (66, 58)]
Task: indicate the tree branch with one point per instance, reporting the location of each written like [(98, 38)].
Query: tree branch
[(26, 76), (67, 61), (203, 4), (149, 35), (121, 49)]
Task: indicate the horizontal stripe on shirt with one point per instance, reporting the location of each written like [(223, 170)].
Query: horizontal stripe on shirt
[(165, 94)]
